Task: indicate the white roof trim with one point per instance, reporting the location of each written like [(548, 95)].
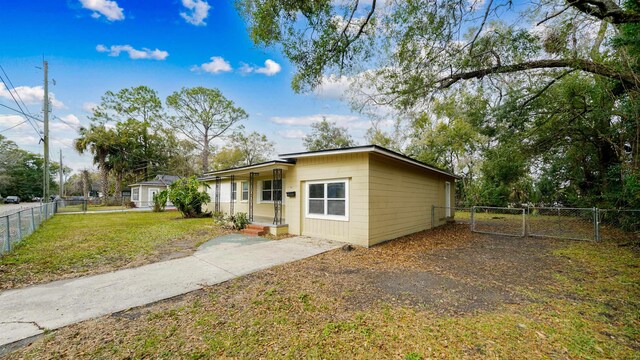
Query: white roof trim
[(243, 168), (374, 149)]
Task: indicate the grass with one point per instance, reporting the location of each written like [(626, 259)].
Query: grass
[(586, 306), (74, 245)]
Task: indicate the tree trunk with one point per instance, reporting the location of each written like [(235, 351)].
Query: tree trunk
[(104, 181), (118, 185), (85, 184), (205, 152)]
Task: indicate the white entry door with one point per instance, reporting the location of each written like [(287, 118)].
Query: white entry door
[(447, 198), (152, 193)]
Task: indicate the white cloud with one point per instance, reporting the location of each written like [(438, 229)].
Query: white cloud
[(108, 9), (69, 123), (292, 134), (215, 66), (333, 87), (89, 106), (270, 68), (198, 10), (305, 120), (31, 95), (7, 121), (135, 54)]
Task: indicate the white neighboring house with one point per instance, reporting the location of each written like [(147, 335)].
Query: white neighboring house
[(142, 192)]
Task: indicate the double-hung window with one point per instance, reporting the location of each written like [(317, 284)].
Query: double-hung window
[(135, 194), (271, 190), (245, 191), (328, 199), (234, 191)]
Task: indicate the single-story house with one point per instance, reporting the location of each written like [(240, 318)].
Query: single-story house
[(142, 193), (361, 195)]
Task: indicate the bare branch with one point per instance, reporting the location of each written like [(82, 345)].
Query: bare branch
[(628, 78)]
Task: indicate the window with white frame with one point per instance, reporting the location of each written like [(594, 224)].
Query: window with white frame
[(271, 190), (234, 189), (135, 194), (245, 191), (328, 199)]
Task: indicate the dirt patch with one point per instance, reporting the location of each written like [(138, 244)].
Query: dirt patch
[(445, 293), (439, 293)]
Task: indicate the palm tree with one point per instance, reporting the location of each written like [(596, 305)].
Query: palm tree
[(98, 140)]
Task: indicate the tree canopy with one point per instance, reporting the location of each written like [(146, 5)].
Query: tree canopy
[(203, 115), (531, 101), (327, 135)]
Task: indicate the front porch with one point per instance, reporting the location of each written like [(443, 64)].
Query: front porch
[(257, 190)]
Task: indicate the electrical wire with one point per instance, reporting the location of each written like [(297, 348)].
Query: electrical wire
[(14, 126), (21, 111), (66, 123), (14, 89)]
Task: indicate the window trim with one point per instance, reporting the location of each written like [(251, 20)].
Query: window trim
[(272, 190), (234, 192), (326, 199), (135, 191), (242, 192)]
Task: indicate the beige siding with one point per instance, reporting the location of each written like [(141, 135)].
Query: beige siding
[(353, 167), (260, 209), (401, 197), (387, 198)]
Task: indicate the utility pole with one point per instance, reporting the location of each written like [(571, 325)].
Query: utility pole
[(46, 132), (61, 176)]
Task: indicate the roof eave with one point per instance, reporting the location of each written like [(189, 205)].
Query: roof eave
[(369, 148)]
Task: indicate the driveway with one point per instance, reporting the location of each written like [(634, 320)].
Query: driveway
[(6, 209), (28, 312)]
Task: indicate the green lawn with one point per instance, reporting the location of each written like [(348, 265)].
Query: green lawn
[(74, 245)]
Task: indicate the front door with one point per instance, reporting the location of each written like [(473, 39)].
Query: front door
[(152, 192)]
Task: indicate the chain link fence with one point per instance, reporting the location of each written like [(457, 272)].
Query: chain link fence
[(590, 224), (498, 220), (81, 206), (562, 223), (16, 226)]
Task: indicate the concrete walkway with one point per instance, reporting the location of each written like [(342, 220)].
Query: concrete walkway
[(28, 312)]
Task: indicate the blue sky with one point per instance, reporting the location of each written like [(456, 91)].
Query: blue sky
[(97, 45)]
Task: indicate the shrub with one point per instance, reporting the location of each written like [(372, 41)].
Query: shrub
[(240, 220), (218, 218), (160, 201), (130, 205), (185, 194)]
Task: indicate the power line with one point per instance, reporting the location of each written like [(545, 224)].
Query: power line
[(14, 89), (19, 107), (66, 123), (21, 113), (14, 126)]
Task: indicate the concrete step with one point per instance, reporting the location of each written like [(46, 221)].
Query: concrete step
[(254, 232), (258, 227)]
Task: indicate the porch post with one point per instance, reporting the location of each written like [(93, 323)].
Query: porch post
[(233, 184), (252, 176), (277, 196), (217, 195)]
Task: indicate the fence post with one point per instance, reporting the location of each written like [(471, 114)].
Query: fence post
[(473, 221), (524, 223), (19, 225), (33, 221), (8, 235), (596, 224)]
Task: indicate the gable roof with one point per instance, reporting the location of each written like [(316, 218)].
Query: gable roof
[(159, 180), (368, 148)]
